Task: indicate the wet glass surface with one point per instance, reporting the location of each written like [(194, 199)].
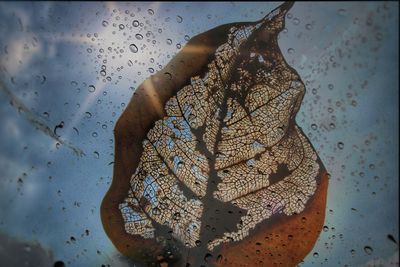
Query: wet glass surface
[(67, 71)]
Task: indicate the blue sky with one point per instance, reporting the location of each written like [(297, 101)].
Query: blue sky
[(51, 57)]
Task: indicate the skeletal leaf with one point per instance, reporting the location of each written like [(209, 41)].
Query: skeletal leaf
[(223, 153)]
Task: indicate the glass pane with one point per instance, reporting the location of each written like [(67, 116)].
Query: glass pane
[(69, 70)]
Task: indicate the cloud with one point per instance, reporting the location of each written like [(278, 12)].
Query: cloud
[(15, 252)]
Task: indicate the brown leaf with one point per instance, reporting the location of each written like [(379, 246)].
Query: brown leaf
[(208, 152)]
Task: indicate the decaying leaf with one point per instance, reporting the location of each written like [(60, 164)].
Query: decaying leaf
[(209, 160)]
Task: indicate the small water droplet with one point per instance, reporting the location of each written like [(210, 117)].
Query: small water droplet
[(169, 75), (105, 23), (135, 23), (94, 134), (341, 12), (315, 255), (96, 155), (89, 50), (91, 88), (340, 145), (179, 19), (187, 37), (169, 41), (133, 48), (73, 83), (59, 264), (139, 36), (314, 126), (207, 257), (150, 11), (368, 250), (296, 21), (156, 211), (290, 50)]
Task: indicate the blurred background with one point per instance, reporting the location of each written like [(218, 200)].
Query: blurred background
[(68, 70)]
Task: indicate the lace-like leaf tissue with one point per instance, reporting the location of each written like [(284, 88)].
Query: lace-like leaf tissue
[(210, 166)]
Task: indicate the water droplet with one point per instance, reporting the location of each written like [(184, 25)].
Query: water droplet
[(73, 83), (315, 255), (314, 126), (325, 228), (296, 21), (179, 19), (59, 264), (96, 155), (178, 46), (133, 48), (139, 36), (169, 41), (290, 50), (330, 86), (91, 88), (135, 23), (121, 26), (289, 15), (391, 238), (156, 211), (341, 12), (340, 145), (207, 257), (103, 73), (89, 50), (368, 250), (169, 75), (105, 23), (151, 70), (150, 11), (94, 134), (187, 37), (198, 243), (309, 26), (88, 115)]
